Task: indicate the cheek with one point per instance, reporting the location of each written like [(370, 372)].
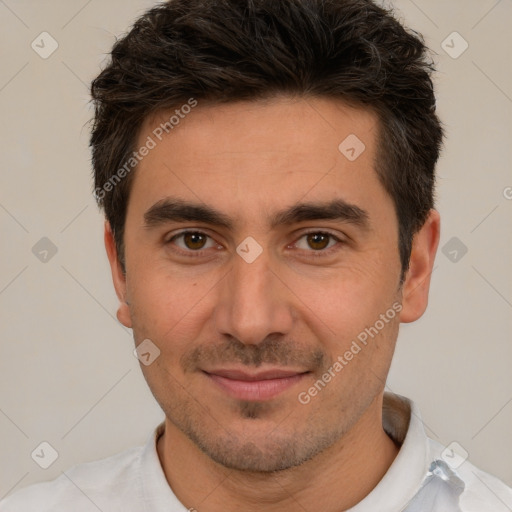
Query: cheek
[(168, 304), (348, 297), (345, 315)]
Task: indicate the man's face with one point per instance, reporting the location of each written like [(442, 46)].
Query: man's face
[(244, 336)]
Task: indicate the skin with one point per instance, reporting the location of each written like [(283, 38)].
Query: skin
[(289, 308)]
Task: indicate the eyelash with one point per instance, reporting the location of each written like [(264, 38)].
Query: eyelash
[(314, 254)]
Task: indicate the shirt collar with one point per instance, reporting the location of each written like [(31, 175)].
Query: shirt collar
[(157, 494), (402, 422)]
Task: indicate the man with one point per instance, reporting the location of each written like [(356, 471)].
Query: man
[(267, 174)]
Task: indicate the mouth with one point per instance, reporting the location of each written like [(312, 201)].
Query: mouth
[(258, 386)]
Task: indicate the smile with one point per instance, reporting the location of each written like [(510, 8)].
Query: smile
[(257, 386)]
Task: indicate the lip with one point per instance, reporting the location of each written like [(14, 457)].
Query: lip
[(255, 386)]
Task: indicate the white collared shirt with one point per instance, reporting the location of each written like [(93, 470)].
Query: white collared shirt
[(424, 477)]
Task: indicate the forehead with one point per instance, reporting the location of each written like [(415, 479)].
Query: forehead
[(259, 154), (305, 125)]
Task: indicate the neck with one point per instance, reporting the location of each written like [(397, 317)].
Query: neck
[(349, 469)]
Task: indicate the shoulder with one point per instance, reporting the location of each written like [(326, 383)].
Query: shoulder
[(482, 492), (83, 488)]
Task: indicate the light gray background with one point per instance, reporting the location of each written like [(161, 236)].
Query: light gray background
[(68, 375)]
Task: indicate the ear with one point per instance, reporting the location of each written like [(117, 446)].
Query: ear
[(118, 277), (417, 280)]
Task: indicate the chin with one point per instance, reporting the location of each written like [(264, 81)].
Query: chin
[(261, 451)]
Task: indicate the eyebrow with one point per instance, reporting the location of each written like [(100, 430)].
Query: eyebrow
[(177, 210)]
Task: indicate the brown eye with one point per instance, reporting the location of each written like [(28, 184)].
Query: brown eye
[(194, 240), (318, 241), (191, 241)]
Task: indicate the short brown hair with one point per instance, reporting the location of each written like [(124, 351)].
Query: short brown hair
[(230, 50)]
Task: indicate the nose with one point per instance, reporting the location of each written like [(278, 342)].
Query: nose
[(254, 302)]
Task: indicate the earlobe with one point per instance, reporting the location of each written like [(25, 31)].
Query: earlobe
[(417, 281), (118, 277)]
